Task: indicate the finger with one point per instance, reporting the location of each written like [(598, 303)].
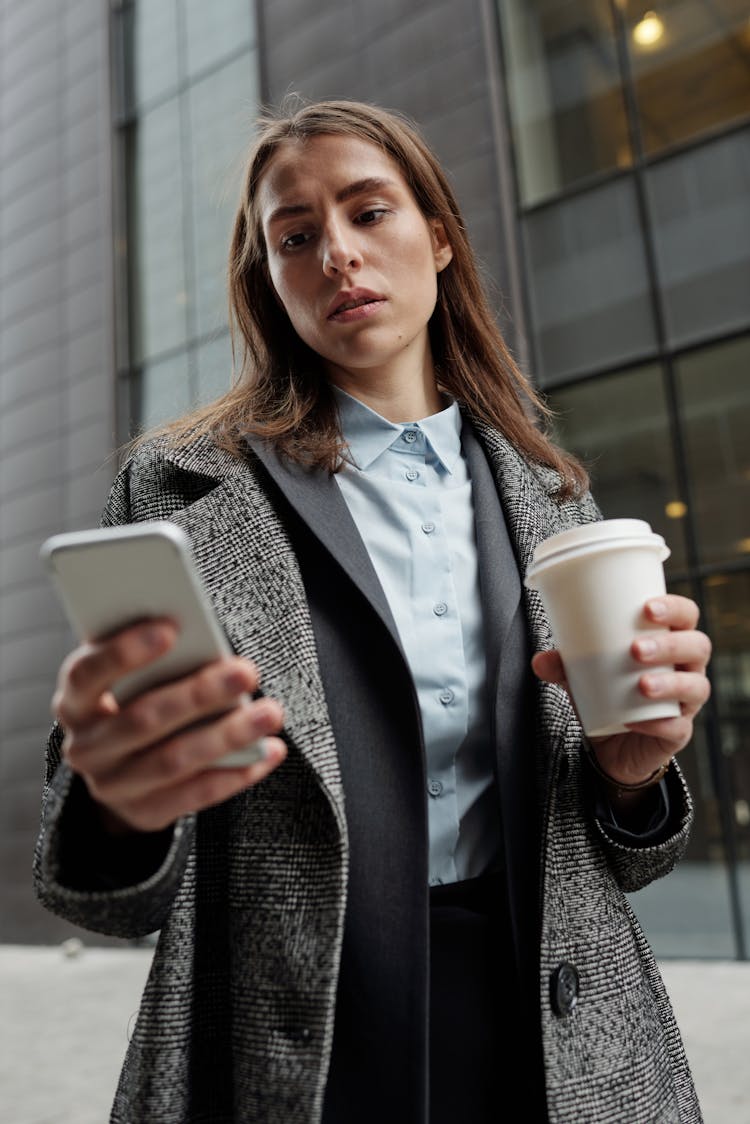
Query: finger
[(668, 735), (91, 670), (673, 611), (166, 766), (159, 809), (160, 713), (548, 666), (689, 689), (689, 650)]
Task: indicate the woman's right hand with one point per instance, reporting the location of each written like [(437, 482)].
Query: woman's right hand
[(150, 761)]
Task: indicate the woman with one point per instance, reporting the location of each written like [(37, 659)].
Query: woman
[(413, 909)]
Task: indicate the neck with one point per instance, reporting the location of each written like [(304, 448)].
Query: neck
[(394, 394)]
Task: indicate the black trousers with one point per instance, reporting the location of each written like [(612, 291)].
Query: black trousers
[(482, 1058), (474, 1016)]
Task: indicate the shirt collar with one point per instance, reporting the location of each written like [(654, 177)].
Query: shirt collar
[(368, 434)]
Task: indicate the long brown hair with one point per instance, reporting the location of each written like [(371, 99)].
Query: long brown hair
[(279, 388)]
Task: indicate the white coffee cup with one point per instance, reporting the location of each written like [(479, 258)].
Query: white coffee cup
[(594, 581)]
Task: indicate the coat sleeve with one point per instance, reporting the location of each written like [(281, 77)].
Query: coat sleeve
[(121, 887), (638, 861)]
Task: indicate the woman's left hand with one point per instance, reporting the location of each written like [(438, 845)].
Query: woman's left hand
[(632, 757)]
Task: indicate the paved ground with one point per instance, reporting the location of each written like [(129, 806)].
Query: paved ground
[(64, 1023)]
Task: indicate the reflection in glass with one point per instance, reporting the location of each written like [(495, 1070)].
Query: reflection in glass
[(588, 281), (689, 913), (618, 425), (728, 611), (216, 30), (715, 397), (156, 237), (222, 112), (164, 391), (690, 62), (150, 52), (564, 92), (699, 204), (214, 366)]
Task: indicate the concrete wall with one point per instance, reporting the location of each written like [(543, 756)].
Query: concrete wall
[(57, 379)]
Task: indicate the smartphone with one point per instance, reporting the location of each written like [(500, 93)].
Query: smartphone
[(110, 577)]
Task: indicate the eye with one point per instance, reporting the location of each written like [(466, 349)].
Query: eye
[(371, 216), (294, 241)]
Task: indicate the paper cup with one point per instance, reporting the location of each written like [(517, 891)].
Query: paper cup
[(594, 582)]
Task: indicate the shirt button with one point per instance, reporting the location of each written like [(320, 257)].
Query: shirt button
[(447, 696), (428, 528), (440, 608), (411, 474), (410, 435), (434, 787)]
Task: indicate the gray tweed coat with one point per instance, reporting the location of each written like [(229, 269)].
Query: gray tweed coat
[(273, 862)]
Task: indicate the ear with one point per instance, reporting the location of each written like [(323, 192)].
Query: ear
[(442, 250)]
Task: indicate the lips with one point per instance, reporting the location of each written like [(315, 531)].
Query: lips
[(350, 299)]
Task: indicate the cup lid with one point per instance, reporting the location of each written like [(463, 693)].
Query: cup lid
[(604, 533)]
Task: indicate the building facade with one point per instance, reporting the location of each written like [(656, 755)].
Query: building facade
[(601, 154)]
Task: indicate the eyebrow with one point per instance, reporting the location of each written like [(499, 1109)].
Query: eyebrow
[(370, 183)]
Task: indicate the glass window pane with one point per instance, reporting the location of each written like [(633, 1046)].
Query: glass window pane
[(159, 282), (164, 391), (690, 67), (699, 203), (151, 50), (222, 111), (690, 914), (588, 282), (618, 425), (214, 31), (564, 92), (728, 611), (715, 398), (214, 364)]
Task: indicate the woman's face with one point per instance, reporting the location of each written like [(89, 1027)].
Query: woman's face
[(352, 258)]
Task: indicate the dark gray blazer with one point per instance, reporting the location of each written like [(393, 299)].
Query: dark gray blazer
[(250, 899)]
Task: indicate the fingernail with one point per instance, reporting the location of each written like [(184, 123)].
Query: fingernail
[(654, 684), (658, 609), (646, 648), (266, 712), (156, 636), (271, 751), (234, 681)]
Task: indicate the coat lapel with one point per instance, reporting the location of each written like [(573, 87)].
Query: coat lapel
[(251, 574), (317, 499)]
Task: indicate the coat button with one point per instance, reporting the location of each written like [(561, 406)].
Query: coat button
[(564, 986)]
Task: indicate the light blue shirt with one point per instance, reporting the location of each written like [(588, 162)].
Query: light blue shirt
[(409, 493)]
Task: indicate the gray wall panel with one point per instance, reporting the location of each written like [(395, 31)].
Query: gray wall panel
[(56, 379)]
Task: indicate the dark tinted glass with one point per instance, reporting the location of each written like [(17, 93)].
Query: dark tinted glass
[(619, 426)]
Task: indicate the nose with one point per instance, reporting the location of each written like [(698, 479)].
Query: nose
[(340, 252)]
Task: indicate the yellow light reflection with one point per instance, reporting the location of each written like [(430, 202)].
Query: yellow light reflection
[(648, 30), (675, 509), (743, 546)]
